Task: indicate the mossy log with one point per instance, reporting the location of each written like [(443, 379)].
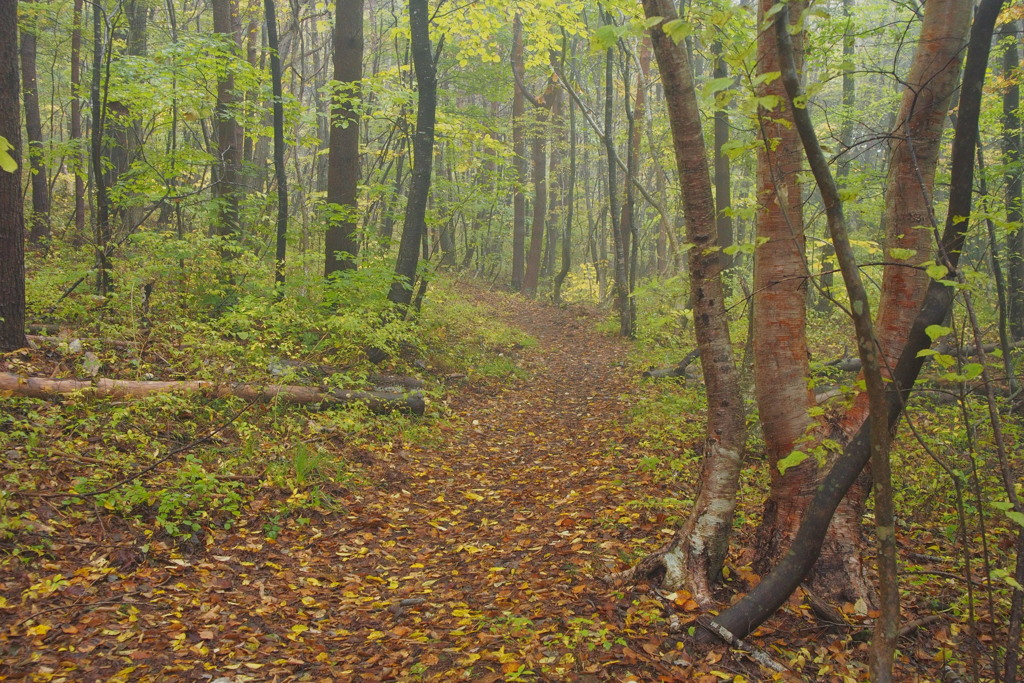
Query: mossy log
[(376, 401)]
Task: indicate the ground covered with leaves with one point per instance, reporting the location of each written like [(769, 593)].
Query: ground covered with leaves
[(467, 545)]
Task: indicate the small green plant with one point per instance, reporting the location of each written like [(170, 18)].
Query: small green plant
[(588, 633), (500, 367), (523, 673), (193, 497)]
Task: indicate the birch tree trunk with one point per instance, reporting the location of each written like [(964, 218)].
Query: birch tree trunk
[(696, 554)]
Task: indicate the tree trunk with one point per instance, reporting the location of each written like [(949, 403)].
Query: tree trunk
[(774, 589), (556, 180), (12, 216), (570, 204), (540, 203), (781, 367), (519, 164), (227, 187), (39, 223), (341, 242), (78, 164), (1012, 192), (99, 170), (121, 131), (697, 552), (376, 401), (823, 302), (280, 176), (630, 221), (415, 226), (914, 152), (620, 286), (886, 627), (723, 174)]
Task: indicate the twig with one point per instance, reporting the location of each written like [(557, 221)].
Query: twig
[(755, 653), (145, 470), (912, 626), (88, 605)]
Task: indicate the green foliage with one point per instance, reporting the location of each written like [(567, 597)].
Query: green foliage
[(665, 419), (7, 162), (469, 339)]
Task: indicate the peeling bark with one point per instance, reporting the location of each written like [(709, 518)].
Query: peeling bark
[(697, 552)]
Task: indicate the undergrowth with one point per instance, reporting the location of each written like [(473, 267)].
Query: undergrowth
[(955, 522), (173, 466)]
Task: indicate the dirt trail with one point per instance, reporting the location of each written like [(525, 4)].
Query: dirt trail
[(497, 523), (474, 559)]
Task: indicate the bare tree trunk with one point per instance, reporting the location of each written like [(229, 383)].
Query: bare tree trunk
[(781, 366), (78, 165), (227, 187), (556, 181), (620, 286), (341, 243), (540, 203), (570, 206), (125, 128), (12, 216), (887, 626), (630, 223), (1012, 195), (376, 401), (280, 175), (99, 171), (519, 164), (697, 552), (39, 230), (723, 173), (915, 145), (415, 227), (822, 303)]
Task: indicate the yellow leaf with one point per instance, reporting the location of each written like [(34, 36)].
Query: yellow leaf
[(473, 496), (40, 630)]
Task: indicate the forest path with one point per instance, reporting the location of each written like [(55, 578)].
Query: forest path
[(472, 556), (507, 520)]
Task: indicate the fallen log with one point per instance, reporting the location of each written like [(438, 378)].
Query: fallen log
[(397, 381), (376, 401), (852, 364), (844, 364), (679, 370), (936, 393)]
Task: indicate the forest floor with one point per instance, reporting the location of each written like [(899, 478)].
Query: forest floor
[(473, 558)]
